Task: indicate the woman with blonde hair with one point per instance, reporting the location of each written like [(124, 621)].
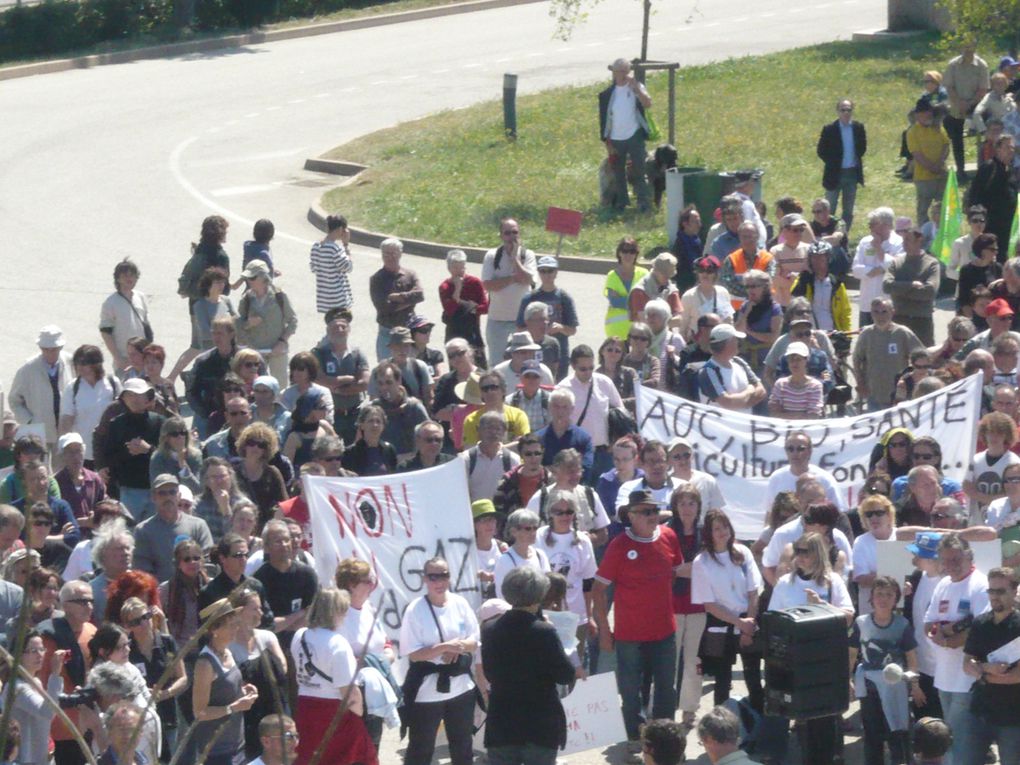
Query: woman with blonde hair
[(176, 455), (262, 482), (878, 515), (248, 364), (326, 669)]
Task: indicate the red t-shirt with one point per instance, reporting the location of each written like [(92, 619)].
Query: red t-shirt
[(528, 485), (642, 572)]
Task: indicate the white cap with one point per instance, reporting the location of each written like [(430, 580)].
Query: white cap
[(67, 439), (722, 332), (797, 349)]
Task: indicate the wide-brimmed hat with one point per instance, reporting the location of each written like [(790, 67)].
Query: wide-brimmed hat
[(218, 609), (522, 341), (400, 336), (256, 268), (469, 391), (483, 508)]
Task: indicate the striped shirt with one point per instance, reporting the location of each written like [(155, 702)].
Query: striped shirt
[(331, 263), (804, 400)]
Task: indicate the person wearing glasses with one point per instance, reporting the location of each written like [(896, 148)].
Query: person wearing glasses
[(439, 636), (522, 532), (153, 651), (841, 147), (926, 450), (639, 356), (179, 593), (69, 632), (176, 454), (263, 483), (879, 517), (980, 270), (309, 421), (881, 352), (641, 564), (428, 451), (705, 298), (279, 739), (621, 279), (984, 477), (156, 537)]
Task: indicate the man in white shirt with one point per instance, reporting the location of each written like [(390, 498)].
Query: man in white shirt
[(591, 412), (656, 479), (798, 453), (624, 128), (489, 460), (508, 272), (727, 380), (961, 595)]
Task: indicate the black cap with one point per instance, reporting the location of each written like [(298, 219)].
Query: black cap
[(341, 313)]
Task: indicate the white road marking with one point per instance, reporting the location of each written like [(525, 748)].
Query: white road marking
[(251, 115), (503, 60), (297, 101), (273, 108), (470, 66), (322, 95), (248, 158), (174, 165)]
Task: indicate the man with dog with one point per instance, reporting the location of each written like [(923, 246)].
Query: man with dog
[(624, 128)]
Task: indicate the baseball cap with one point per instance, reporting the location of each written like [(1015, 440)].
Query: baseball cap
[(926, 545), (722, 332)]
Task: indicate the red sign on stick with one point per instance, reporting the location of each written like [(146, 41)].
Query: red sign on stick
[(563, 222)]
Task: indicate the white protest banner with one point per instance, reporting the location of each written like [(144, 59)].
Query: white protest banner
[(396, 523), (742, 450), (594, 718)]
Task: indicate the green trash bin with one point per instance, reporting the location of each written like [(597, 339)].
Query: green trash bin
[(704, 190)]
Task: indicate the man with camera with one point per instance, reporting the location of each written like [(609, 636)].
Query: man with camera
[(70, 632)]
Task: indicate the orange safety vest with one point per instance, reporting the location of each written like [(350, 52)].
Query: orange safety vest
[(761, 262)]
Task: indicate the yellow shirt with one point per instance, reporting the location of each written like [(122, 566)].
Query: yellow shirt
[(929, 141), (516, 420)]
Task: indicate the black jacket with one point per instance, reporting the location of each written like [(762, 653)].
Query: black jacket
[(830, 151), (132, 470), (523, 662)]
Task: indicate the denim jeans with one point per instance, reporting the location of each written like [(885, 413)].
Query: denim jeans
[(1006, 736), (136, 500), (848, 189), (524, 754), (631, 657), (961, 721), (382, 343)]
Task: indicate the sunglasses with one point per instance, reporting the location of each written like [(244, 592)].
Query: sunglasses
[(680, 456), (536, 453), (237, 413), (82, 601), (875, 513), (259, 444), (562, 513), (629, 250), (924, 455), (192, 559), (40, 524), (433, 439), (801, 550), (489, 388), (647, 511), (438, 577), (1000, 591), (333, 458), (527, 528), (176, 433), (139, 621), (456, 354)]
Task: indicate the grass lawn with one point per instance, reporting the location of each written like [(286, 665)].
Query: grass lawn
[(451, 176)]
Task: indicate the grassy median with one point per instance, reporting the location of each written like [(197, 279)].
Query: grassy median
[(451, 176)]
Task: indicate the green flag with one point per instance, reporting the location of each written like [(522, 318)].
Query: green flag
[(950, 221)]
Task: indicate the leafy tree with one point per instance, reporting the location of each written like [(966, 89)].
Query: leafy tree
[(988, 23)]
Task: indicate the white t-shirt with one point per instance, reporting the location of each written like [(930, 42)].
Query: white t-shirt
[(511, 559), (80, 561), (865, 561), (661, 495), (950, 602), (603, 396), (988, 479), (734, 380), (419, 631), (503, 303), (1000, 514), (922, 599), (487, 558), (589, 519), (87, 406), (575, 561), (791, 590), (328, 653), (793, 530), (708, 487), (358, 629), (721, 581), (784, 480), (623, 121)]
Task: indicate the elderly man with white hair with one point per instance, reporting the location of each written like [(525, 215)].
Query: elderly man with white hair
[(659, 284), (875, 253), (667, 344), (39, 382), (395, 291)]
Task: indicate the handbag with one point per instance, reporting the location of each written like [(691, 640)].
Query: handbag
[(621, 423), (715, 645), (146, 327)]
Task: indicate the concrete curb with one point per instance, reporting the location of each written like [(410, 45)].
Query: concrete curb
[(253, 38), (317, 217)]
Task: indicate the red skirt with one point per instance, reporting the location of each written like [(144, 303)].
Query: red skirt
[(350, 744)]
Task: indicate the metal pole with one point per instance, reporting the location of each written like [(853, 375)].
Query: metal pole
[(672, 107), (510, 106)]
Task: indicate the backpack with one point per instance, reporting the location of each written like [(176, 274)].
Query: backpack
[(114, 383), (473, 459), (243, 309), (686, 384)]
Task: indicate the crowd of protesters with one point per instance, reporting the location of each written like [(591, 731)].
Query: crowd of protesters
[(155, 546)]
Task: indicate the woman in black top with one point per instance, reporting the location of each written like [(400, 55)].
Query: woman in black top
[(370, 455), (995, 186), (982, 269)]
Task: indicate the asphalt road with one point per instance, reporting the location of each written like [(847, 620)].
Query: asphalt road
[(126, 160)]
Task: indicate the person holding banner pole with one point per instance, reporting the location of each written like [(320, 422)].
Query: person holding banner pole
[(439, 635)]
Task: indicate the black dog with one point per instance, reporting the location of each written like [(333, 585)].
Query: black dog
[(658, 162)]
